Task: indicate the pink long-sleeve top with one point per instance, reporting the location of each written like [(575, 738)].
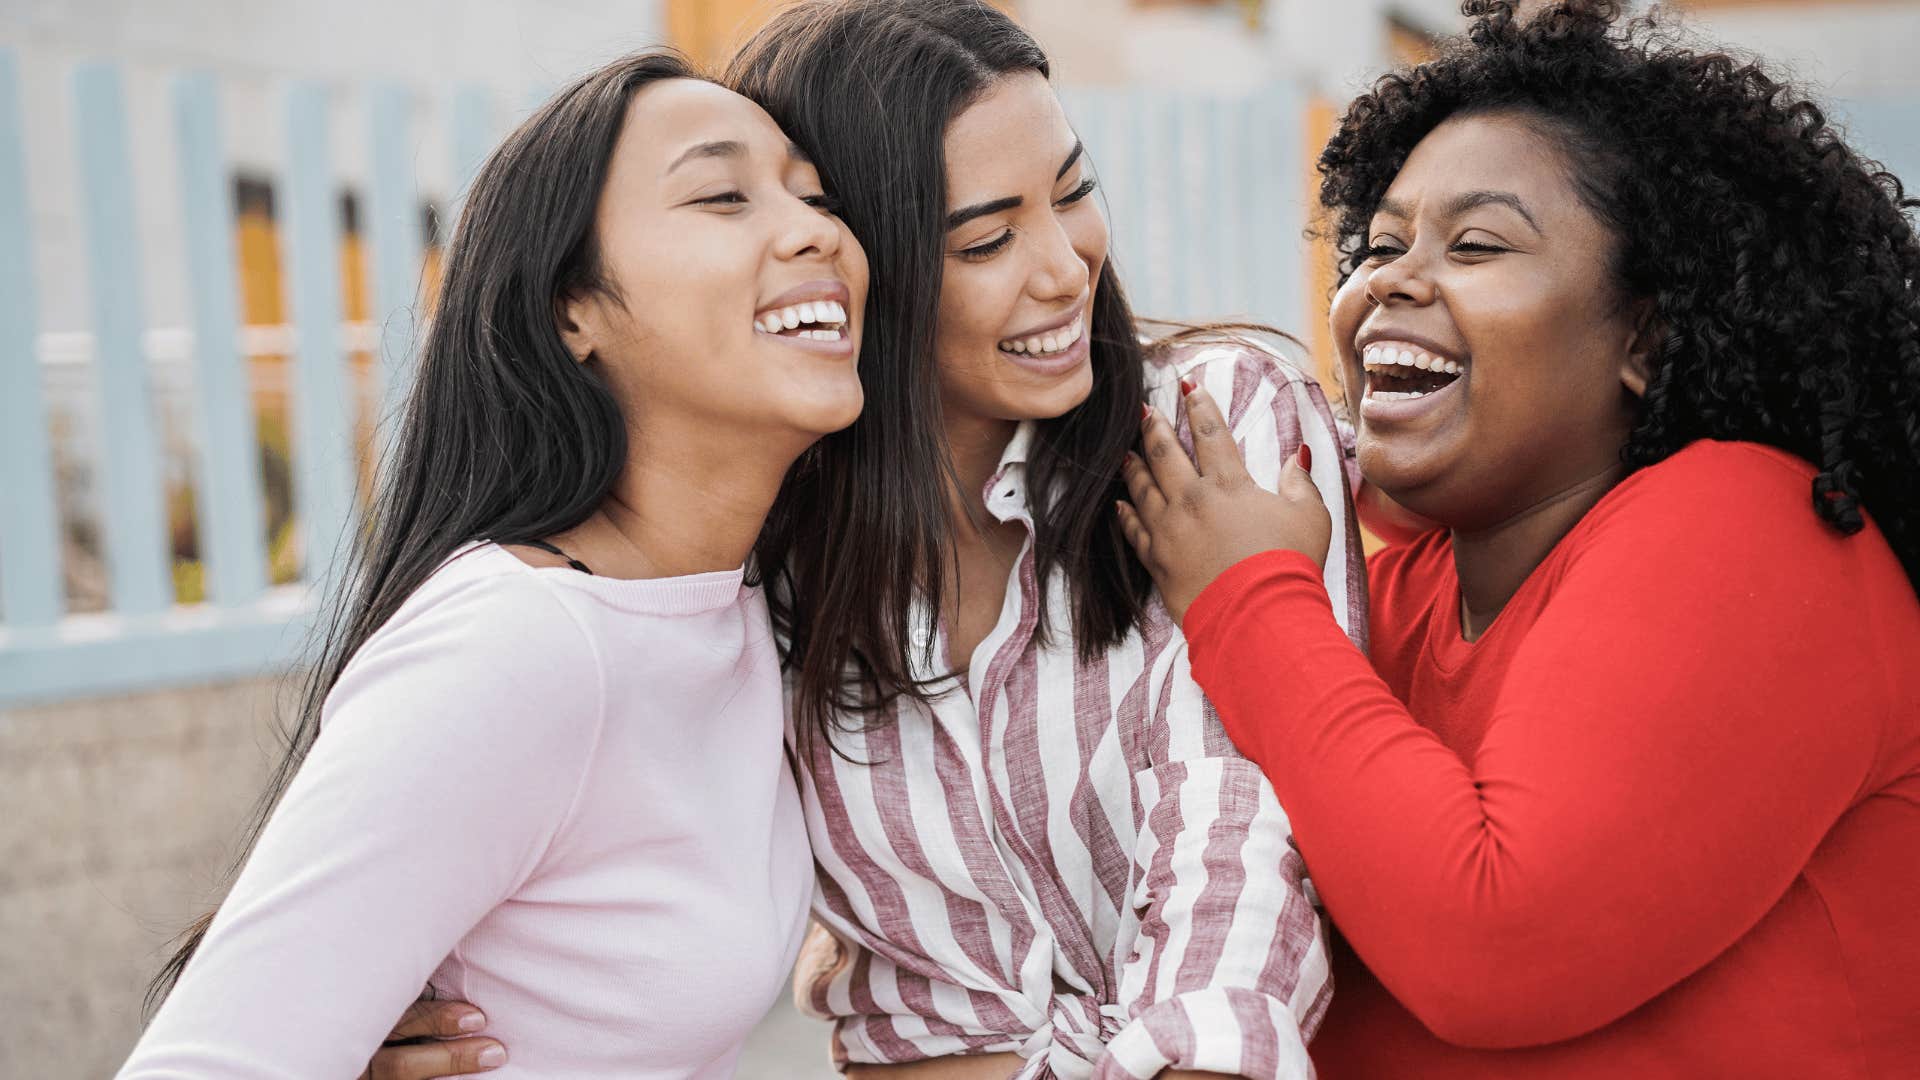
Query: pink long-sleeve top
[(561, 797)]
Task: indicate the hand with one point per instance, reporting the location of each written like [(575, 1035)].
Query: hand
[(822, 955), (414, 1050), (1191, 520)]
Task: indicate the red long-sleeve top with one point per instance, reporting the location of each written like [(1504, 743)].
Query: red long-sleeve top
[(1661, 819)]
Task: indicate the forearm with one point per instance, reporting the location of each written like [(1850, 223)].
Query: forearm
[(1532, 863), (970, 1067)]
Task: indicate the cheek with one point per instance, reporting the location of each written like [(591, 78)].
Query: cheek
[(976, 301)]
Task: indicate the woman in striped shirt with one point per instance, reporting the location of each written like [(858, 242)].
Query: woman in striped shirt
[(1038, 853), (1032, 836)]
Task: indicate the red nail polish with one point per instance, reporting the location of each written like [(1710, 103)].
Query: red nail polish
[(1186, 386), (1146, 412), (1306, 457)]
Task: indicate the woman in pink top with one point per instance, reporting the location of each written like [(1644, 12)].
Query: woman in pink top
[(541, 762)]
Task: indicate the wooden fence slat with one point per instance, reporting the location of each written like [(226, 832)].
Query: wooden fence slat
[(229, 490), (393, 225), (323, 423), (136, 526), (30, 593), (471, 123)]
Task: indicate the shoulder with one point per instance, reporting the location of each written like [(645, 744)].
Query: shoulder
[(483, 628), (1231, 367), (1739, 514), (1715, 491)]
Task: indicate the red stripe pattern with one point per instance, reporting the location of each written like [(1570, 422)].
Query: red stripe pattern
[(1068, 859)]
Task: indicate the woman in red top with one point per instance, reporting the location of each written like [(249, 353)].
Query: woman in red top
[(1631, 784)]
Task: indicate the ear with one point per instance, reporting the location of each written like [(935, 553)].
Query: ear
[(1636, 368), (578, 318)]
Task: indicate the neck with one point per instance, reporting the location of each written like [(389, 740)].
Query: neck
[(976, 445), (689, 501), (1493, 562)]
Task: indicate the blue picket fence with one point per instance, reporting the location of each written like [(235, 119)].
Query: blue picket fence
[(1207, 194), (245, 626)]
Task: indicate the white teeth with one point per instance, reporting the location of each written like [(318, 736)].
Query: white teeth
[(1043, 344), (1395, 395), (824, 312), (1423, 362)]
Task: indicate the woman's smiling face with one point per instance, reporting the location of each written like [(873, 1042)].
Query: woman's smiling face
[(1497, 360), (1025, 245)]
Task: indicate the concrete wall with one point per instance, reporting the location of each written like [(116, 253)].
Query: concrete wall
[(116, 820)]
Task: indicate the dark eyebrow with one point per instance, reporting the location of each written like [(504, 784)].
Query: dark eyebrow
[(1072, 157), (1468, 200), (993, 206), (982, 209), (728, 148), (1464, 202)]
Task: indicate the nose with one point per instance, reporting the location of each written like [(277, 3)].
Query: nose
[(1060, 272), (1403, 280), (805, 229)]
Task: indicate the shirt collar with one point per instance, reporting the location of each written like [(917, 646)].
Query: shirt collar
[(1006, 489)]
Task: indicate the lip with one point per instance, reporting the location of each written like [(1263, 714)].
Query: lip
[(1055, 324), (810, 292)]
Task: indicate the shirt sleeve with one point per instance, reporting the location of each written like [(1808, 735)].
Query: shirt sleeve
[(450, 754), (1273, 408), (1228, 971), (1685, 720)]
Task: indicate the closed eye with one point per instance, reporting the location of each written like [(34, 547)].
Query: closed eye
[(1470, 248), (988, 249), (725, 198), (1085, 189), (824, 203)]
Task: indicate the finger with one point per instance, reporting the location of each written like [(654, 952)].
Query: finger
[(1133, 530), (431, 1060), (1171, 467), (1141, 486), (438, 1019), (1295, 479), (1213, 446)]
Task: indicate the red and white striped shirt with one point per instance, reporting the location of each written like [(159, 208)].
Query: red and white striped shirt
[(1068, 859)]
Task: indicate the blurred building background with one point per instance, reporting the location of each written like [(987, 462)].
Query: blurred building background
[(219, 221)]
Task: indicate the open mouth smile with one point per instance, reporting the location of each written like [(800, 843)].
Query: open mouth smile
[(1400, 371)]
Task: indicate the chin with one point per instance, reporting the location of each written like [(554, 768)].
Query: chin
[(1066, 395), (1409, 475)]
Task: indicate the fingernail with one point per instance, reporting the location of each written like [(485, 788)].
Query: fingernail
[(472, 1021), (1186, 386), (1146, 412), (492, 1057), (1306, 457)]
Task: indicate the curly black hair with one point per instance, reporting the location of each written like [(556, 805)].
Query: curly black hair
[(1784, 265)]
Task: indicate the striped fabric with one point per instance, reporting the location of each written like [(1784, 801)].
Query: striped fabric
[(1069, 860)]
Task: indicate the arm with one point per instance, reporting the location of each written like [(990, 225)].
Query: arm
[(1651, 773), (1228, 970), (449, 756)]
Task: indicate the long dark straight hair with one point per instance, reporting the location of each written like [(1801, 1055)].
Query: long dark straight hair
[(504, 436), (867, 88)]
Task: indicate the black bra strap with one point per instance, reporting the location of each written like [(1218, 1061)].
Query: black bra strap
[(551, 550)]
